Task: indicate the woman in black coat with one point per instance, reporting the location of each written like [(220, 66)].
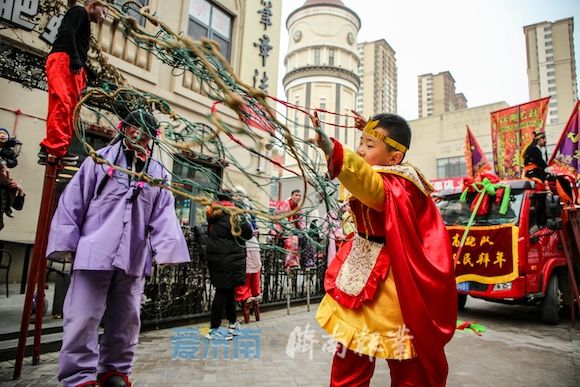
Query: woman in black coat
[(226, 261)]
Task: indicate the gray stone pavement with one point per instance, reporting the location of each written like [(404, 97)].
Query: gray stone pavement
[(509, 353)]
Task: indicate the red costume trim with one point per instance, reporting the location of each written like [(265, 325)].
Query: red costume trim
[(379, 273)]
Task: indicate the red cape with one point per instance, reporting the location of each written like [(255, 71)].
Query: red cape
[(419, 249)]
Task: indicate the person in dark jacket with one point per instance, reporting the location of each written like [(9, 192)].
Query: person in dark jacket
[(226, 261), (7, 145), (11, 194), (534, 164)]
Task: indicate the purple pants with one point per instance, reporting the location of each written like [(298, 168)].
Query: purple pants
[(93, 295)]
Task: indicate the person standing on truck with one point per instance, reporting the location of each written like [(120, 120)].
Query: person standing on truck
[(535, 166), (390, 291)]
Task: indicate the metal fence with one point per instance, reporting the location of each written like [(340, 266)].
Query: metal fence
[(184, 291)]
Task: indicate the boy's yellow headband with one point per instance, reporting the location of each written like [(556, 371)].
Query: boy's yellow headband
[(370, 129)]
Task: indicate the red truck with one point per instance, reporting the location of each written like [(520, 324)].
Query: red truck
[(512, 258)]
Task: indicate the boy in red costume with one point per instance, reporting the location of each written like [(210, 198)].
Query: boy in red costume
[(66, 77), (390, 292)]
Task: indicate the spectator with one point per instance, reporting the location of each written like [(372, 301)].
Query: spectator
[(250, 293), (7, 145), (226, 261), (11, 194), (292, 243)]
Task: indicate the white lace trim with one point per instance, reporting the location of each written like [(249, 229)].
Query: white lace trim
[(358, 266)]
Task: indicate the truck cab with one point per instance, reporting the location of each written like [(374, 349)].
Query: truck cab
[(514, 258)]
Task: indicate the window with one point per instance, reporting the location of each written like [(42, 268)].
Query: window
[(206, 20), (551, 81), (205, 176), (331, 56), (132, 9), (451, 167), (549, 50), (551, 89), (317, 56)]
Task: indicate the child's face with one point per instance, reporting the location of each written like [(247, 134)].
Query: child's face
[(376, 152), (3, 136)]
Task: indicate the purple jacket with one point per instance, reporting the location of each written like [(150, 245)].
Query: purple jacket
[(110, 231)]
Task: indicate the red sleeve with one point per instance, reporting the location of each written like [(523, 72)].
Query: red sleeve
[(335, 162)]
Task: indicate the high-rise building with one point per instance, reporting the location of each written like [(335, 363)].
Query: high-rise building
[(551, 66), (322, 66), (437, 95), (378, 74)]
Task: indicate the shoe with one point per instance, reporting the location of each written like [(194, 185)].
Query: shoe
[(68, 159), (113, 379), (234, 328), (42, 156), (217, 334)]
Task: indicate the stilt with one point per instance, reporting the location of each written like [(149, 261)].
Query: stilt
[(36, 275)]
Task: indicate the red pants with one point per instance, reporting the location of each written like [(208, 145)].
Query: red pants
[(350, 369), (250, 289), (64, 89)]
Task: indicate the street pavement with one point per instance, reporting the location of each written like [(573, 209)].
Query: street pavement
[(291, 350)]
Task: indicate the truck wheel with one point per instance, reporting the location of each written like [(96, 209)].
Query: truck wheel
[(551, 302), (461, 301)]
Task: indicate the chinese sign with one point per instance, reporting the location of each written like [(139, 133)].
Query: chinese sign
[(489, 255), (512, 130), (447, 184), (191, 344), (260, 79), (24, 14)]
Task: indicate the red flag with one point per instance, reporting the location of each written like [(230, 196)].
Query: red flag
[(475, 160), (566, 156), (512, 130)]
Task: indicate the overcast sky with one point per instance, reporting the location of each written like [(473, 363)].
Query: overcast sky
[(481, 42)]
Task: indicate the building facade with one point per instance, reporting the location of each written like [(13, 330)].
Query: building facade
[(322, 66), (552, 67), (378, 75), (437, 94), (248, 33), (438, 142)]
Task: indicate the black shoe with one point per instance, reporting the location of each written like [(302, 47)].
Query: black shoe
[(42, 156), (68, 159)]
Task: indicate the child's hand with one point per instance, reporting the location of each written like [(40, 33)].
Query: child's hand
[(321, 140), (359, 121)]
